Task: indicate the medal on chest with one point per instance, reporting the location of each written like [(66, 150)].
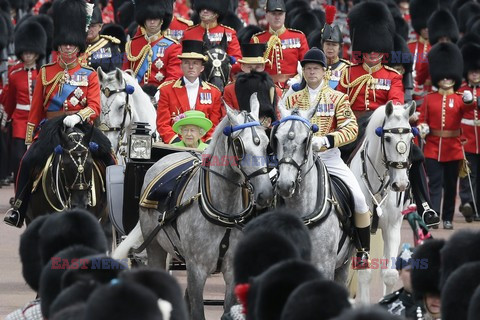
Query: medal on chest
[(205, 98), (291, 43), (102, 53), (383, 84), (325, 110)]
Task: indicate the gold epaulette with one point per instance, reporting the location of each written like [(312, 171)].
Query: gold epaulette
[(88, 67), (171, 39), (110, 38), (185, 21), (255, 36), (166, 83), (391, 69), (194, 26), (295, 30), (227, 27), (347, 62), (208, 85)]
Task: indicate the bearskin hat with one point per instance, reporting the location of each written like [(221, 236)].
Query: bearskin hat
[(72, 227), (471, 58), (163, 285), (458, 290), (245, 34), (442, 24), (47, 23), (468, 10), (126, 14), (78, 293), (401, 54), (70, 23), (153, 9), (370, 313), (260, 82), (29, 253), (474, 308), (468, 38), (371, 28), (445, 61), (457, 251), (219, 7), (3, 33), (319, 299), (307, 22), (116, 30), (230, 19), (420, 12), (30, 37), (425, 278)]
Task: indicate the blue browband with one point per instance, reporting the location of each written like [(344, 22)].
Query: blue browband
[(297, 118), (229, 130)]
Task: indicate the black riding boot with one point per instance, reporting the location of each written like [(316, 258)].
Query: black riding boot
[(418, 179), (361, 260)]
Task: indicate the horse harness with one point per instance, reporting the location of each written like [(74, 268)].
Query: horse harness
[(217, 57)]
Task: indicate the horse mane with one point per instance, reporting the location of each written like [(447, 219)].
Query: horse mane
[(376, 120), (217, 135)]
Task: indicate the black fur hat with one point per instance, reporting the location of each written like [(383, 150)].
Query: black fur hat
[(307, 22), (153, 9), (29, 253), (53, 271), (458, 290), (30, 37), (471, 58), (219, 7), (75, 294), (258, 251), (163, 285), (116, 30), (269, 292), (367, 313), (245, 34), (71, 227), (230, 19), (457, 251), (3, 34), (70, 23), (468, 10), (319, 299), (442, 24), (420, 12), (126, 14), (401, 54), (371, 28), (47, 23), (425, 279), (260, 82), (474, 309), (468, 38), (445, 61)]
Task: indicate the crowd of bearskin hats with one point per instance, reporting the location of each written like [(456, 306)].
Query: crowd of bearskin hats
[(64, 256)]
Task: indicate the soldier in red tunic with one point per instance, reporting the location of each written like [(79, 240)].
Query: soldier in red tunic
[(471, 133), (440, 122), (188, 93), (63, 87), (210, 13), (153, 57), (30, 44), (285, 47), (178, 27)]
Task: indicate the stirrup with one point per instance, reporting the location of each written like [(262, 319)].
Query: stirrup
[(361, 261), (430, 217), (13, 218)]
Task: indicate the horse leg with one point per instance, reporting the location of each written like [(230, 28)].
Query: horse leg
[(196, 279), (364, 279), (156, 255), (391, 242), (230, 299)]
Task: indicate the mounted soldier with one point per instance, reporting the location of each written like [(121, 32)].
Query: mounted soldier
[(63, 88)]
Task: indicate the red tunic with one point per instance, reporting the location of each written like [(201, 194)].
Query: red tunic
[(84, 100), (215, 34), (19, 98), (177, 28), (443, 114), (471, 124), (368, 91), (419, 49), (174, 101), (283, 55), (155, 62)]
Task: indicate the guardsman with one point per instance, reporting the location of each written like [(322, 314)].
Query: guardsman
[(189, 92), (62, 88), (178, 27), (337, 126), (210, 13), (332, 43), (102, 50), (471, 134), (440, 122), (30, 44), (285, 47), (153, 57)]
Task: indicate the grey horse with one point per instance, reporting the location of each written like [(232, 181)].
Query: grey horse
[(298, 184)]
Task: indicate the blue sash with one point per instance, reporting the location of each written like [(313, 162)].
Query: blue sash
[(57, 102), (333, 83), (158, 50)]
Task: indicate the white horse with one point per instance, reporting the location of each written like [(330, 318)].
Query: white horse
[(123, 102), (381, 166)]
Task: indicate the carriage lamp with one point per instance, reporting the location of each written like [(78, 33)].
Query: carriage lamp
[(140, 142)]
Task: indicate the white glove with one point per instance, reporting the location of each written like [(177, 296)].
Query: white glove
[(467, 97), (424, 129), (319, 142), (292, 81), (3, 117), (72, 120)]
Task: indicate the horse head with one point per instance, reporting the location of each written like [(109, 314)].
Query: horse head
[(396, 136), (247, 144), (217, 68), (76, 167), (291, 140)]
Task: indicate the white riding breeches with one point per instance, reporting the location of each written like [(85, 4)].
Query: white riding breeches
[(335, 166)]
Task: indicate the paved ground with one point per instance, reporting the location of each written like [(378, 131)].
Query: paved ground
[(14, 293)]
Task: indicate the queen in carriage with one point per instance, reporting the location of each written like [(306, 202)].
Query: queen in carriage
[(192, 126)]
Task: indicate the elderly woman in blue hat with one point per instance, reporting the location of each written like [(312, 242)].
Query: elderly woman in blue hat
[(192, 126)]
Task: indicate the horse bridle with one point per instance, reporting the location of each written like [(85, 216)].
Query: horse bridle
[(127, 110), (216, 70), (291, 135)]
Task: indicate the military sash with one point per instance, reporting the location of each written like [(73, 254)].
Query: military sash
[(77, 79), (158, 51)]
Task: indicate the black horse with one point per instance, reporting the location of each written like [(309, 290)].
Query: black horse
[(217, 68)]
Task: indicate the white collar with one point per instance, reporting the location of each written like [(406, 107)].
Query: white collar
[(195, 83), (317, 89)]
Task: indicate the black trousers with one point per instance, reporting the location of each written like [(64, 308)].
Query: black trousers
[(18, 150), (465, 191), (5, 166), (442, 178)]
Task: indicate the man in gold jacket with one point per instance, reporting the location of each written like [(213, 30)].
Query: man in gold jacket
[(337, 126)]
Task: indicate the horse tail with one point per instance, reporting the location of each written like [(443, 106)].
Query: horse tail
[(134, 239)]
